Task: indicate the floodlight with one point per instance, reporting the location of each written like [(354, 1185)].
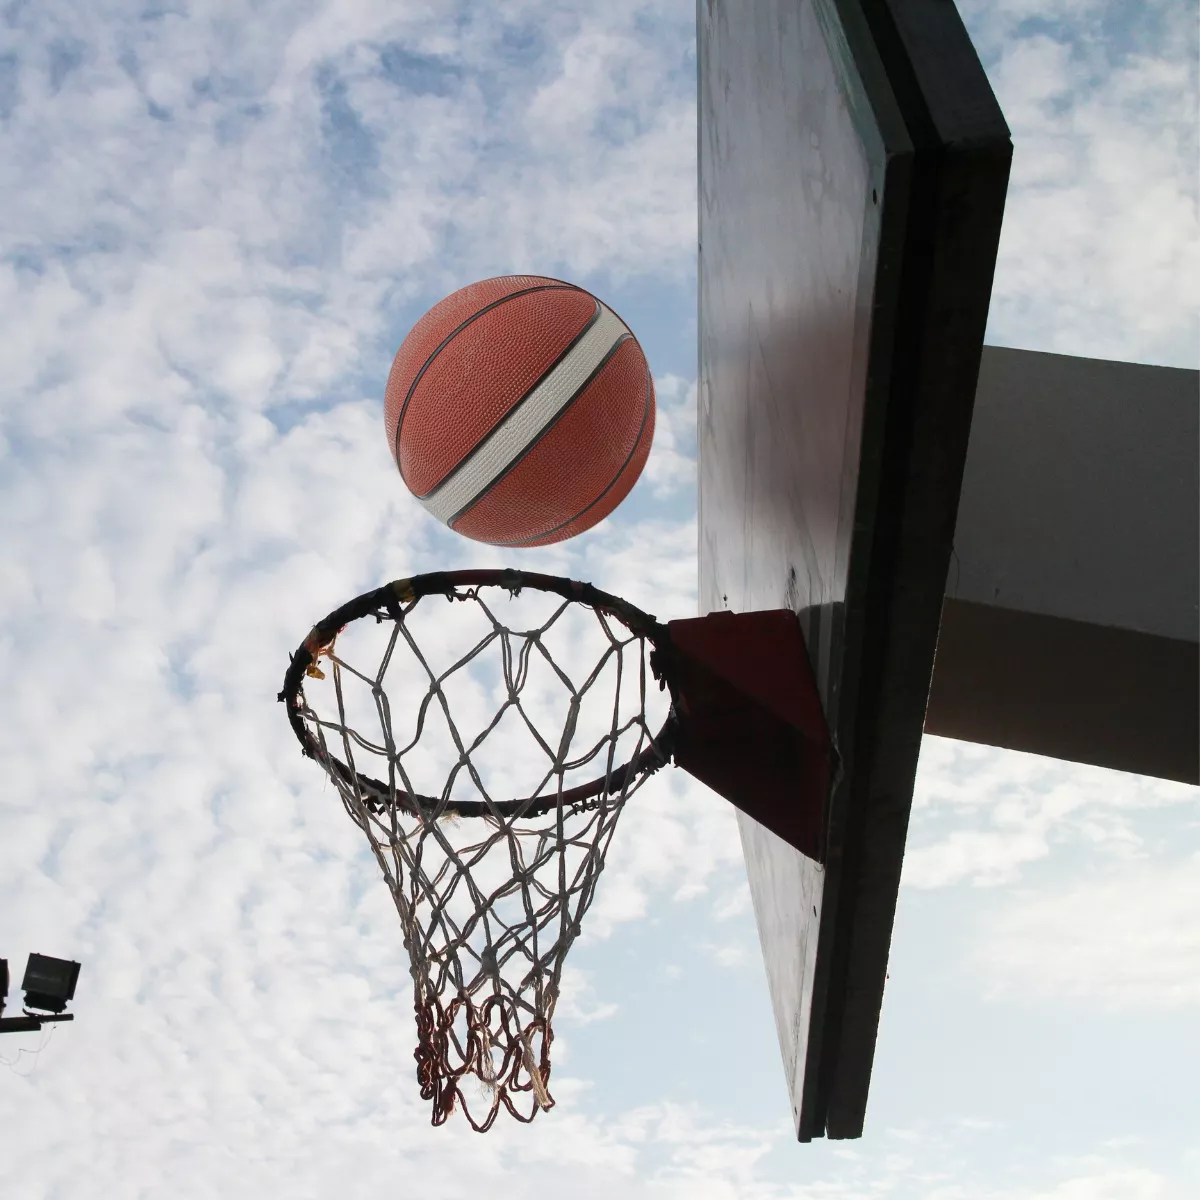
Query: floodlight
[(49, 982)]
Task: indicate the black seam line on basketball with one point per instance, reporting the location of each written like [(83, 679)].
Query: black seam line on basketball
[(611, 483), (554, 420), (412, 387), (465, 461)]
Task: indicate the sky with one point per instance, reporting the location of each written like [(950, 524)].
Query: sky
[(219, 221)]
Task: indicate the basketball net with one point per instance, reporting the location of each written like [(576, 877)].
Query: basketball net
[(491, 893)]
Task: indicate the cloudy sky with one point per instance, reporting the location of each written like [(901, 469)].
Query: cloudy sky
[(218, 222)]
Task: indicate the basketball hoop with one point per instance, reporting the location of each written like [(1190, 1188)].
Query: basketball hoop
[(491, 890)]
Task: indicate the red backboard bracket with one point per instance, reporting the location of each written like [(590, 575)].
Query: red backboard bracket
[(751, 725)]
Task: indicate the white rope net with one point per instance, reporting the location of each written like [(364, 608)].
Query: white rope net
[(491, 891)]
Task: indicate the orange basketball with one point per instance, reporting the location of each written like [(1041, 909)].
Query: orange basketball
[(520, 410)]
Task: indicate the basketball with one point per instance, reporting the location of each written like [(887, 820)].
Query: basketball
[(520, 410)]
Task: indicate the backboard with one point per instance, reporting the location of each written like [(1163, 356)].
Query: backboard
[(852, 171)]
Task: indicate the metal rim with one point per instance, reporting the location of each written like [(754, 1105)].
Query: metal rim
[(390, 598)]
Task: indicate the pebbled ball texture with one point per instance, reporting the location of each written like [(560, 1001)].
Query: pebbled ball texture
[(471, 362)]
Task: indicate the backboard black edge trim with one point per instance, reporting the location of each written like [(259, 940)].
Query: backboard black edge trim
[(930, 55), (956, 213), (861, 892), (889, 223)]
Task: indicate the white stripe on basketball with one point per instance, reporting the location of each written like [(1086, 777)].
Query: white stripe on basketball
[(521, 428)]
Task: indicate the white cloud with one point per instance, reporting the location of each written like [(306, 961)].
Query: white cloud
[(196, 310), (672, 467), (1111, 1183), (984, 816), (1100, 253), (219, 221), (1121, 939), (578, 1004)]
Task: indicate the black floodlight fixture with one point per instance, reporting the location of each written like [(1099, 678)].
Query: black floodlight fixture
[(3, 982), (49, 982)]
